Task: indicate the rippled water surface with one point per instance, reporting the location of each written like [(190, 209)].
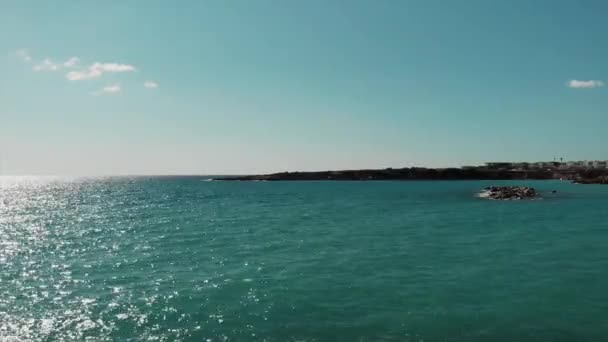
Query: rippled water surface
[(182, 259)]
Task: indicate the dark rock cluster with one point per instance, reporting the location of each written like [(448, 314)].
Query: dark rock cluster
[(596, 180), (508, 192)]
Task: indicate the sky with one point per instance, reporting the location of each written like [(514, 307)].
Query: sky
[(238, 87)]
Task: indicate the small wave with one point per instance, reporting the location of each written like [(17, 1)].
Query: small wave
[(483, 194)]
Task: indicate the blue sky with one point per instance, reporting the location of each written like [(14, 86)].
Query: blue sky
[(261, 86)]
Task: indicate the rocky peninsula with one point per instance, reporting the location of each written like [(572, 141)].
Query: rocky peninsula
[(490, 171), (414, 173)]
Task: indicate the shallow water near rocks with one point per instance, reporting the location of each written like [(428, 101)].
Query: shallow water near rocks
[(180, 259)]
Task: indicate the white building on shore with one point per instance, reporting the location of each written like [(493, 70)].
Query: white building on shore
[(585, 164), (566, 165)]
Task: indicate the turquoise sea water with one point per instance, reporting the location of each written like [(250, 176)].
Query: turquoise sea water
[(182, 259)]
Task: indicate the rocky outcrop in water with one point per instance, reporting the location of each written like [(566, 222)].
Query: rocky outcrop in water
[(508, 193), (596, 180)]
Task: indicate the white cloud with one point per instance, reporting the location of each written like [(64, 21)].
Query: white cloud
[(46, 65), (112, 67), (80, 72), (109, 89), (82, 75), (71, 62), (150, 84), (114, 88), (585, 84), (98, 69), (24, 55)]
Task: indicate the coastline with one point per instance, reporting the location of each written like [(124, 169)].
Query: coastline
[(584, 176)]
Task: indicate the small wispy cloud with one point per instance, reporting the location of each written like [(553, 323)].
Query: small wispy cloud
[(585, 84), (150, 84), (72, 62), (75, 71), (46, 65), (24, 55), (82, 75), (113, 67), (98, 69), (114, 88), (109, 89)]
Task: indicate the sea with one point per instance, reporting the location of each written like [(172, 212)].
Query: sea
[(188, 259)]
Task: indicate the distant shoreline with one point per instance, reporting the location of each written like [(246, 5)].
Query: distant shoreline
[(578, 175)]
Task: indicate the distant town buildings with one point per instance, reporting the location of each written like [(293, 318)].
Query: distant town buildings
[(553, 165)]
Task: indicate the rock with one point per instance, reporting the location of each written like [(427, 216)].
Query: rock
[(508, 192), (596, 180)]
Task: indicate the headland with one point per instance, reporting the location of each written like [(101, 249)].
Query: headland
[(579, 172)]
